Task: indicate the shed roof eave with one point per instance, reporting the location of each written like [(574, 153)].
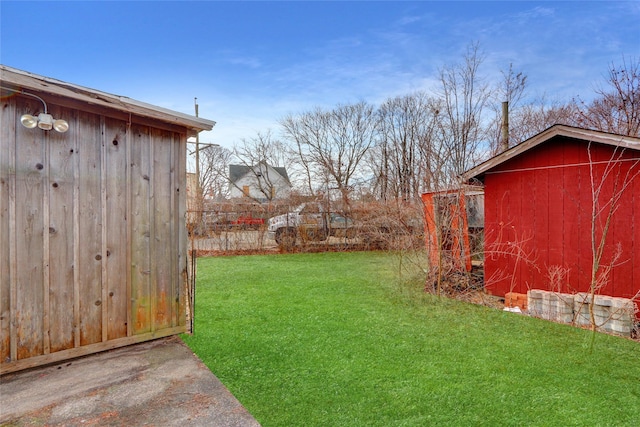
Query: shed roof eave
[(24, 80), (555, 130)]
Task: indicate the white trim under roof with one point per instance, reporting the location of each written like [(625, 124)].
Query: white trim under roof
[(23, 80), (553, 131)]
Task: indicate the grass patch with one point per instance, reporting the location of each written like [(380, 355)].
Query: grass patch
[(336, 339)]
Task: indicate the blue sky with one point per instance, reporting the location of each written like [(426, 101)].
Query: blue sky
[(251, 63)]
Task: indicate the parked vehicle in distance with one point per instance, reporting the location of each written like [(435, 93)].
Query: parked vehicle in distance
[(213, 223), (309, 222), (247, 222)]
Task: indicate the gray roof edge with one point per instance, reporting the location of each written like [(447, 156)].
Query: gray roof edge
[(555, 130), (283, 172), (30, 81), (239, 171)]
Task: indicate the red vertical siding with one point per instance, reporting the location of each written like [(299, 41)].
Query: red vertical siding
[(491, 212), (541, 240), (582, 193), (556, 248), (523, 228), (634, 228), (622, 235), (541, 201), (499, 207), (571, 212), (623, 239)]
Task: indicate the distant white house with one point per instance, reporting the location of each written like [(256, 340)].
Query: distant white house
[(260, 182)]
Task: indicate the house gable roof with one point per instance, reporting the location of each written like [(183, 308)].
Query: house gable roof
[(236, 172), (627, 142), (17, 80)]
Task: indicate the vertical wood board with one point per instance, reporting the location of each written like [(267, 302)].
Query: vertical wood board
[(501, 202), (180, 157), (163, 240), (529, 257), (635, 232), (116, 228), (542, 240), (140, 229), (29, 231), (90, 228), (60, 187), (7, 199), (557, 221)]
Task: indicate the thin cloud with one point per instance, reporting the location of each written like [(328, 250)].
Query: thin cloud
[(537, 12), (250, 62)]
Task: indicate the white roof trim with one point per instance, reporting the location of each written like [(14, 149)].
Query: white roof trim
[(555, 130)]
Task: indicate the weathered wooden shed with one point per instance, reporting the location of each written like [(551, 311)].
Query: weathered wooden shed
[(544, 201), (93, 245)]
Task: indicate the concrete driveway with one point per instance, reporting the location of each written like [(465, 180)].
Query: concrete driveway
[(156, 383)]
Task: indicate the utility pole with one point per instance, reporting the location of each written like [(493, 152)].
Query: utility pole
[(197, 150), (504, 143), (199, 198)]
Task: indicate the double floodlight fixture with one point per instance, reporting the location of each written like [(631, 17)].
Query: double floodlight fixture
[(44, 121)]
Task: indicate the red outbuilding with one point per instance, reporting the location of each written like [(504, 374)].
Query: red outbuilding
[(562, 211)]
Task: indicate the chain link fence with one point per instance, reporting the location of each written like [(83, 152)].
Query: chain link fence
[(243, 227)]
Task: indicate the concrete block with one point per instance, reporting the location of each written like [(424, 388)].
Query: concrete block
[(611, 314), (621, 328), (581, 302), (535, 302), (560, 307)]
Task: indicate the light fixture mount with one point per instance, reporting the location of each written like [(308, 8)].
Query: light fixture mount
[(45, 121)]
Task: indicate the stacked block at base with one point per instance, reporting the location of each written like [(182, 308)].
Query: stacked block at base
[(611, 314), (551, 305)]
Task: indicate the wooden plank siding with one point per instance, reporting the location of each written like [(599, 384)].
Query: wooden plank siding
[(89, 258), (115, 143), (140, 230), (27, 273), (61, 225), (180, 221), (8, 122), (543, 201), (93, 244)]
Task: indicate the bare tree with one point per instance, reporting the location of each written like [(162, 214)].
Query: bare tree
[(212, 185), (538, 115), (616, 109), (214, 181), (513, 86), (402, 159), (262, 147), (331, 144), (510, 90), (464, 98), (608, 185)]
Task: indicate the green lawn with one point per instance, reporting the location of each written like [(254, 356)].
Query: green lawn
[(337, 339)]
